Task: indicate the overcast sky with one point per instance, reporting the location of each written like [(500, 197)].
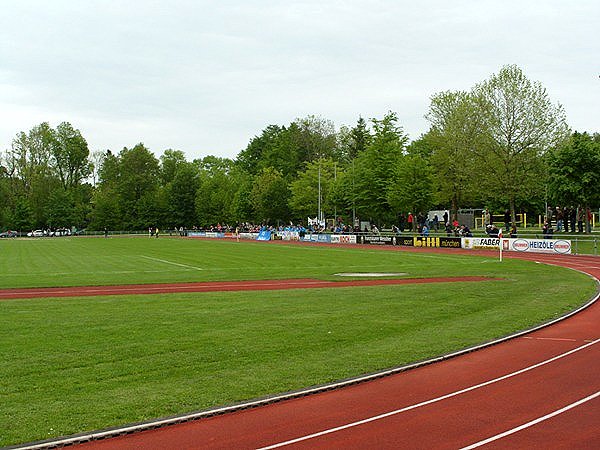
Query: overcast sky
[(205, 77)]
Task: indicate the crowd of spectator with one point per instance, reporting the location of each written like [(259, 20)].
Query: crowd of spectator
[(567, 219)]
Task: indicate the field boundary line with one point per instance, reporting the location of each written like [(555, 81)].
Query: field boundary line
[(171, 262)]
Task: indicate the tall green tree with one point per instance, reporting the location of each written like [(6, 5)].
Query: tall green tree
[(107, 211), (128, 196), (574, 171), (171, 161), (252, 158), (181, 196), (30, 162), (456, 133), (521, 124), (270, 197), (216, 191), (288, 149), (316, 139), (412, 187), (375, 170), (70, 156), (137, 187)]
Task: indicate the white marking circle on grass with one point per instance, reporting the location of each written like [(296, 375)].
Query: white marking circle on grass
[(370, 274)]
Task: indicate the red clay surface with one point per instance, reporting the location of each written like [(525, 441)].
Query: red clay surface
[(255, 285), (448, 405)]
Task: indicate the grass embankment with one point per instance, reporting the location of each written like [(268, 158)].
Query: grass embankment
[(78, 364)]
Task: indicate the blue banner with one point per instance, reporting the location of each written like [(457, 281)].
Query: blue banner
[(264, 235)]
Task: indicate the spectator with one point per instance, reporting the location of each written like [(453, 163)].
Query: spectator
[(547, 230), (487, 218), (465, 231), (420, 219), (492, 231), (448, 229), (507, 219), (513, 232), (573, 218), (411, 222), (559, 219), (549, 215), (580, 219)]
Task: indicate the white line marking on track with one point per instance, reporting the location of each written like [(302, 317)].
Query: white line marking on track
[(171, 262), (427, 402), (549, 339), (533, 422)]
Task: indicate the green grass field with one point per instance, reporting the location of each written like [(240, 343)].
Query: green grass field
[(84, 363)]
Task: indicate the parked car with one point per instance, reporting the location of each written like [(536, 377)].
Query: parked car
[(9, 234), (36, 233), (61, 232)]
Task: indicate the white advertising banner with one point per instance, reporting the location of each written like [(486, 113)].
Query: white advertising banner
[(343, 239), (481, 243), (289, 235), (560, 246), (252, 236)]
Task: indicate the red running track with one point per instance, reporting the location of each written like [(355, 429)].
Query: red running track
[(214, 286), (540, 390)]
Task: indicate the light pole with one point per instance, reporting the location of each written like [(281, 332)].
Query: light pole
[(319, 200)]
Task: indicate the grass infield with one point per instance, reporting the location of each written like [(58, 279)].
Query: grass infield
[(84, 363)]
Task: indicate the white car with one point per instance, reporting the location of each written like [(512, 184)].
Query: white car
[(36, 233)]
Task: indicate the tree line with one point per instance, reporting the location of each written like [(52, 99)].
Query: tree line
[(502, 145)]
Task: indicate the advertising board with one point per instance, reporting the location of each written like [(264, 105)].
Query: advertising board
[(317, 238), (407, 241), (377, 240), (343, 239), (560, 246), (477, 243), (289, 235), (441, 242)]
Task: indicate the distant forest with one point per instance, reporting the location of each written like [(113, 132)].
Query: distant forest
[(501, 145)]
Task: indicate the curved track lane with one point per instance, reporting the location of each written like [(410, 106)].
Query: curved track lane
[(541, 390)]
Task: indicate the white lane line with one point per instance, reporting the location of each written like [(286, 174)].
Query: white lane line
[(427, 402), (549, 339), (533, 422), (171, 262)]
